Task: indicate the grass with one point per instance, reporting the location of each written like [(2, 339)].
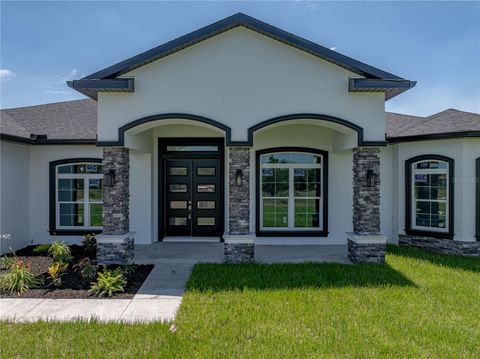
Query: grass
[(417, 305)]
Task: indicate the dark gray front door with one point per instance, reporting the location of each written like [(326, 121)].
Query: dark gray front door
[(192, 195)]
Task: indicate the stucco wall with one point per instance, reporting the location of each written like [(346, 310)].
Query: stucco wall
[(464, 152), (14, 199), (40, 156), (340, 190), (221, 79)]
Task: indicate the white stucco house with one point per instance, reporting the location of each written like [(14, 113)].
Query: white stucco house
[(244, 133)]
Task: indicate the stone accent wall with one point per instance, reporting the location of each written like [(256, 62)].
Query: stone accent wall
[(366, 200), (115, 251), (366, 252), (239, 196), (239, 252), (116, 198), (441, 245)]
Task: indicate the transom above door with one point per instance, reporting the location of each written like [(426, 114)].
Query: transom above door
[(192, 188)]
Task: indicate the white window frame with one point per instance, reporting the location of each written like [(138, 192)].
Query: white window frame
[(86, 198), (427, 171), (291, 193)]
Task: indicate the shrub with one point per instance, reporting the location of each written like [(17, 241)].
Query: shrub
[(90, 243), (88, 271), (109, 282), (60, 252), (41, 249), (56, 271), (18, 279)]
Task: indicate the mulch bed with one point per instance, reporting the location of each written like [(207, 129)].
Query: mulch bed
[(72, 283)]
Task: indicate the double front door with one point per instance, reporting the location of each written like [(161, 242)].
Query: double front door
[(192, 196)]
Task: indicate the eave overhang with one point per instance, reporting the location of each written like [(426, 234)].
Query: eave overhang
[(91, 87), (391, 87)]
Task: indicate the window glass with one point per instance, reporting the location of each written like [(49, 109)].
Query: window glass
[(173, 188), (291, 191), (205, 171), (210, 188), (200, 148), (206, 204), (177, 221), (178, 204), (430, 197), (178, 171), (79, 196), (206, 221)]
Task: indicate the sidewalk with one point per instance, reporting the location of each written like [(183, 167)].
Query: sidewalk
[(157, 300)]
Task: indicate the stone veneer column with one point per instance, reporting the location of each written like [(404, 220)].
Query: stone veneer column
[(239, 245), (116, 244), (366, 244)]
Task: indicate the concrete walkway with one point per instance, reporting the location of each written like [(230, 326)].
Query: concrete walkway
[(161, 294)]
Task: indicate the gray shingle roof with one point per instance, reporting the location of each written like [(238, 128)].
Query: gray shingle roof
[(448, 121), (61, 120), (77, 120)]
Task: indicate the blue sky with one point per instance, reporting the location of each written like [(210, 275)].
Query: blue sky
[(43, 44)]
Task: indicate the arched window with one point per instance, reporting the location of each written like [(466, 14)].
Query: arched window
[(76, 196), (429, 194), (291, 191)]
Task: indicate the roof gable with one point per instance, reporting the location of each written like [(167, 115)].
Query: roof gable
[(253, 24), (97, 81)]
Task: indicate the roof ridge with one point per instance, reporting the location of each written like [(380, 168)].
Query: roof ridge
[(46, 104)]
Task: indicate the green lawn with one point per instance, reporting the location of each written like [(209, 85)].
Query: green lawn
[(418, 305)]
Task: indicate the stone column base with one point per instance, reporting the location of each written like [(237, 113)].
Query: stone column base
[(366, 248), (441, 245), (115, 248), (239, 248)]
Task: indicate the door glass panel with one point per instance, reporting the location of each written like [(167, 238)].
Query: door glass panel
[(192, 148), (205, 171), (177, 221), (206, 221), (178, 188), (178, 171), (206, 204), (210, 188), (178, 204)]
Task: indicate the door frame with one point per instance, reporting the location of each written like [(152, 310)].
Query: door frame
[(163, 154)]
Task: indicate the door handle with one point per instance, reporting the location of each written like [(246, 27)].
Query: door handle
[(189, 209)]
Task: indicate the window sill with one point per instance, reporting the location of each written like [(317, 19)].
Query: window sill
[(74, 232), (264, 233), (442, 235)]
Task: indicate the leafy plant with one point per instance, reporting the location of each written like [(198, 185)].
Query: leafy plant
[(128, 268), (56, 271), (41, 249), (109, 282), (60, 252), (7, 262), (88, 270), (90, 243), (18, 279)]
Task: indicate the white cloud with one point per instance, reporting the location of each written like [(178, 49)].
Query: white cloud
[(333, 48), (6, 74)]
